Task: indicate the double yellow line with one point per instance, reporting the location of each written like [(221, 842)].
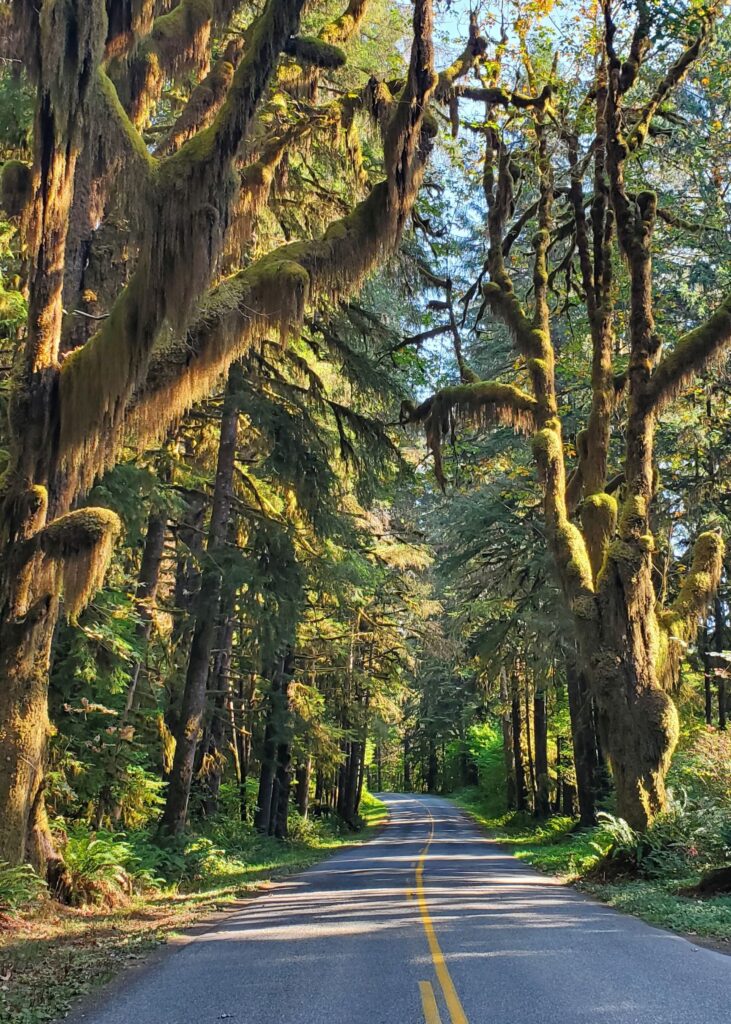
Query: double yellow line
[(428, 1000)]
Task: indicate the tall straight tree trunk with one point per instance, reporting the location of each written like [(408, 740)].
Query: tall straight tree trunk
[(529, 741), (718, 638), (583, 740), (707, 676), (540, 723), (508, 751), (274, 738), (145, 596), (304, 769), (207, 606), (219, 685), (520, 794)]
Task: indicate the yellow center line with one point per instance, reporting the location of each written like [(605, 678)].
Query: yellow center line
[(429, 1003), (456, 1011)]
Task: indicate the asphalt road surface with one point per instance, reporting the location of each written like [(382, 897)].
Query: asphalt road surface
[(429, 923)]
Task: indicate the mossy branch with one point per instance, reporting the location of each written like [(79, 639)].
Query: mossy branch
[(674, 76), (469, 58), (80, 544), (485, 403), (694, 351), (498, 96), (679, 623), (190, 202), (344, 27), (315, 52)]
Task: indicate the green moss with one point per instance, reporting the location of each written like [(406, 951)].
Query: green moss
[(112, 108), (605, 502), (315, 52), (633, 519)]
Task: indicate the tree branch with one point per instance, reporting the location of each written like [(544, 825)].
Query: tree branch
[(694, 351)]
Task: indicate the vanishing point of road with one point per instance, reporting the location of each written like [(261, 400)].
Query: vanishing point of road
[(429, 923)]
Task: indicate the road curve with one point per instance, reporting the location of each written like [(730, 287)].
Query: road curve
[(429, 923)]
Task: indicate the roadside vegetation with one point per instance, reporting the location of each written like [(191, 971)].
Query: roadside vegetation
[(656, 874), (132, 894)]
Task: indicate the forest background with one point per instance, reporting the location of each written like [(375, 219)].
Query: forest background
[(244, 263)]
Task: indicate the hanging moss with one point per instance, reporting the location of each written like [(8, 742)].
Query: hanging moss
[(80, 544), (16, 187)]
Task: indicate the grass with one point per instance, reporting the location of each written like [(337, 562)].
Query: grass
[(51, 955), (553, 847)]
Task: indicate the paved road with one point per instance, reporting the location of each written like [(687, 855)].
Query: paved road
[(428, 924)]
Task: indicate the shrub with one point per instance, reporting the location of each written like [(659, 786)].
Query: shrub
[(96, 871), (18, 887)]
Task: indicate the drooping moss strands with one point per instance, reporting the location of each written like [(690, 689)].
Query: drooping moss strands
[(482, 403), (690, 355), (680, 622), (270, 294), (205, 100), (178, 42), (127, 23), (191, 193)]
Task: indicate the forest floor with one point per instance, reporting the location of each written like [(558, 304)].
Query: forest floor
[(51, 955), (558, 849)]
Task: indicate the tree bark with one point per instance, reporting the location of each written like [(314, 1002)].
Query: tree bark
[(520, 793), (582, 736), (542, 805), (270, 778), (304, 769)]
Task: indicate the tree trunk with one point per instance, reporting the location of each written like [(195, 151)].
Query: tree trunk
[(407, 762), (718, 637), (207, 605), (520, 794), (145, 596), (542, 805), (219, 685), (432, 768), (304, 769), (508, 751), (271, 778), (582, 736)]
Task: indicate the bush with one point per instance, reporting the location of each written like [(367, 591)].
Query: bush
[(703, 770), (691, 836), (18, 887), (96, 867)]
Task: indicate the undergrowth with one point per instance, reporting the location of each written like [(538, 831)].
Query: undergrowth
[(131, 893), (649, 875)]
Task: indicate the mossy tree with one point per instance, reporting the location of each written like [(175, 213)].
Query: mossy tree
[(132, 318), (598, 527)]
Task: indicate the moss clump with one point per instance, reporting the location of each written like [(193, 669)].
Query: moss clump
[(633, 519), (80, 544), (315, 52), (16, 187)]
